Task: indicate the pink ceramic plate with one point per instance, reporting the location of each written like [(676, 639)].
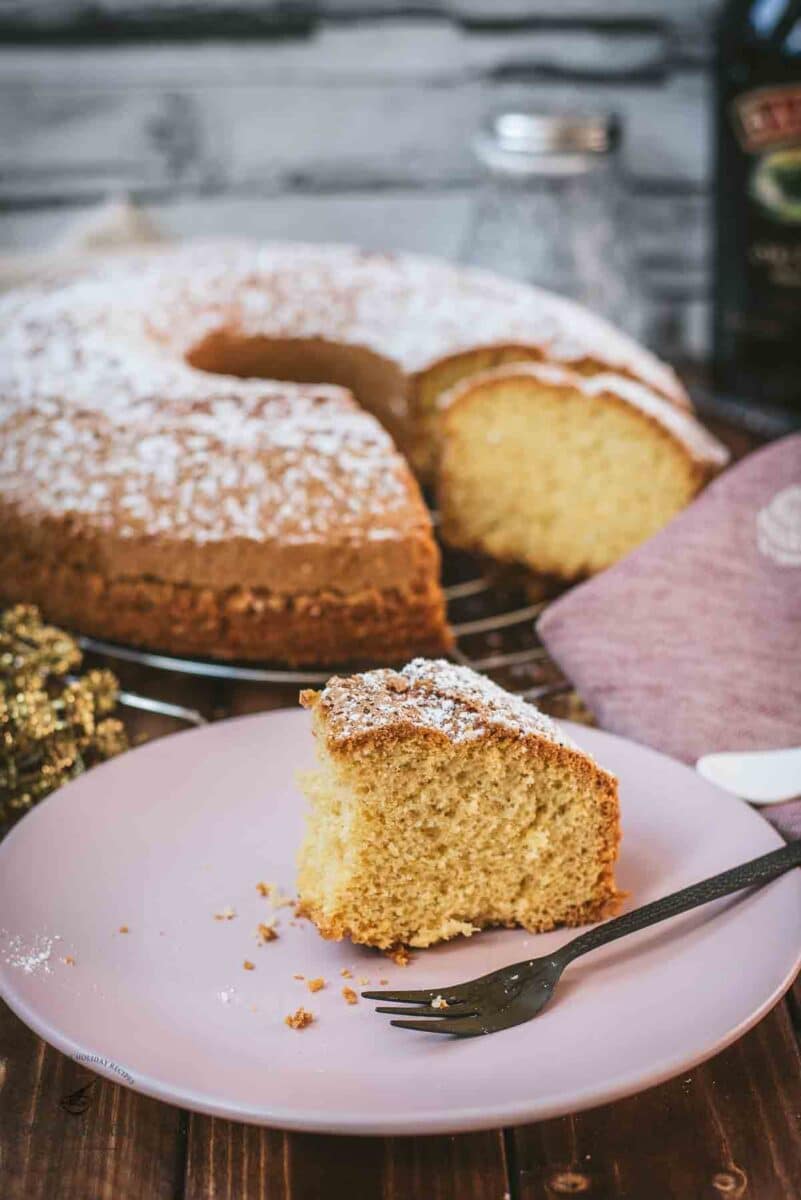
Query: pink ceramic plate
[(169, 835)]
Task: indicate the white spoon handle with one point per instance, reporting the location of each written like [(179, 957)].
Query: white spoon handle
[(761, 776)]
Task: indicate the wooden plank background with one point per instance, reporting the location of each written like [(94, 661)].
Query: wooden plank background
[(350, 120)]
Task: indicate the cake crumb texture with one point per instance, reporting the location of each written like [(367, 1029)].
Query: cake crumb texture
[(565, 474), (299, 1019), (399, 955), (442, 805)]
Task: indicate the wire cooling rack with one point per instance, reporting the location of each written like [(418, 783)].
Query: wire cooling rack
[(492, 614)]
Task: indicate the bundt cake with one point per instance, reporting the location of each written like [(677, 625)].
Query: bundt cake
[(442, 805), (183, 464), (563, 473)]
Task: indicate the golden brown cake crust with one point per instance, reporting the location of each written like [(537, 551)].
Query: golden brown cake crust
[(247, 623), (435, 698), (139, 453)]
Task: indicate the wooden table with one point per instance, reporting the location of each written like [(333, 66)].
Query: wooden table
[(730, 1129)]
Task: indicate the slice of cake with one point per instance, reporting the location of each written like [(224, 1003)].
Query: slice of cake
[(562, 473), (442, 805)]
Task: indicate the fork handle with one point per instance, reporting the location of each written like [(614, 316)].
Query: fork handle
[(754, 873)]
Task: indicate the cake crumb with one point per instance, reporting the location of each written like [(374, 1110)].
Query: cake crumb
[(124, 929), (283, 901), (439, 1002), (383, 982), (363, 981), (248, 965), (69, 961), (225, 914), (299, 1019), (264, 889), (298, 976), (399, 955), (316, 985), (346, 974), (265, 933), (350, 996)]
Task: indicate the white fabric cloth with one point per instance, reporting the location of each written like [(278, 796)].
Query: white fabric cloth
[(116, 225)]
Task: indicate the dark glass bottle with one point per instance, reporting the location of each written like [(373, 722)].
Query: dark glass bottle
[(757, 301)]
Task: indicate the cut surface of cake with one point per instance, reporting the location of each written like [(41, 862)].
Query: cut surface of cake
[(442, 805), (563, 473)]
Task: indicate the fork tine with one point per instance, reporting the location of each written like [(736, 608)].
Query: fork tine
[(465, 1027), (421, 997), (449, 1013), (424, 996)]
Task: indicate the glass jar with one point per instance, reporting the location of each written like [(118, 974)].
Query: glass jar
[(549, 210)]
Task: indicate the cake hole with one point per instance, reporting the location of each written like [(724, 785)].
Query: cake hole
[(377, 383)]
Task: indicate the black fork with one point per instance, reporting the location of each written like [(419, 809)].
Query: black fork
[(518, 993)]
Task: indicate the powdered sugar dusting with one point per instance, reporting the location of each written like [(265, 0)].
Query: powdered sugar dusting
[(129, 438), (103, 419), (411, 309), (435, 695), (29, 955), (682, 425)]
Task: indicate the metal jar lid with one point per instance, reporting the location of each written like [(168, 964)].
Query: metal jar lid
[(524, 143)]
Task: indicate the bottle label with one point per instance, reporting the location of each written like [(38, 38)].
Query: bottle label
[(758, 196), (767, 122), (767, 117)]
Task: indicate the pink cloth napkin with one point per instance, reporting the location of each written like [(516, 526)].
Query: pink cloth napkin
[(692, 643)]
